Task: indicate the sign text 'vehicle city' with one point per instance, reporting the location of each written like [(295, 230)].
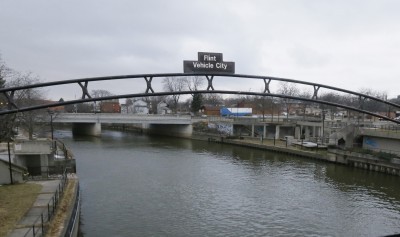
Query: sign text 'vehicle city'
[(209, 62)]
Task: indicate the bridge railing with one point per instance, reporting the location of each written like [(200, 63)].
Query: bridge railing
[(111, 115), (120, 118)]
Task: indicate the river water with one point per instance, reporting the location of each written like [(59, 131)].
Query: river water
[(137, 185)]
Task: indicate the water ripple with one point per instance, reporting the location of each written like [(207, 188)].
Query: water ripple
[(146, 186)]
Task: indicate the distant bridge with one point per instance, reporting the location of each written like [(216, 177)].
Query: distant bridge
[(110, 118), (90, 123)]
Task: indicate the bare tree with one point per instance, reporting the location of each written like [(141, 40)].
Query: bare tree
[(307, 95), (263, 104), (290, 89), (4, 72), (7, 122), (29, 97), (96, 105), (174, 85), (373, 105), (153, 101), (212, 99), (101, 93), (193, 83)]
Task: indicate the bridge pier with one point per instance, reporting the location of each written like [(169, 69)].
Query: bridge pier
[(176, 130), (88, 129), (277, 131)]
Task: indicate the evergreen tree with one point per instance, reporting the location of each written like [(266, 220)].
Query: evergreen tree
[(196, 102)]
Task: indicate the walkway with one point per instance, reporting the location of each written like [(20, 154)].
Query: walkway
[(34, 215)]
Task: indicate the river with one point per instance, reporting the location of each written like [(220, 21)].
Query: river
[(138, 185)]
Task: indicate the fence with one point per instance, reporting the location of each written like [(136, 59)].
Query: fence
[(51, 172), (40, 225)]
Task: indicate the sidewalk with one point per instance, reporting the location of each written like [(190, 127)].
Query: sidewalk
[(40, 206)]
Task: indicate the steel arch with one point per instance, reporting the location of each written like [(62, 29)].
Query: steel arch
[(149, 91)]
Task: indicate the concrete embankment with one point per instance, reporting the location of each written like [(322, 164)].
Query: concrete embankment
[(331, 155)]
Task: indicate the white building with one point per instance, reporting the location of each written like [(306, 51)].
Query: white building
[(140, 107), (137, 107), (162, 108)]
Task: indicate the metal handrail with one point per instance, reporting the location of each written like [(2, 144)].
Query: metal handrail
[(51, 208), (72, 222)]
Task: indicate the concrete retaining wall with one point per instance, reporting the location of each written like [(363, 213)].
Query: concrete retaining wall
[(369, 162), (336, 156)]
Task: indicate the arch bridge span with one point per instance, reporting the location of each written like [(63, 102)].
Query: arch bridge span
[(147, 79)]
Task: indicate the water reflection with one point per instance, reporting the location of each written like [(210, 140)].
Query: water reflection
[(135, 185)]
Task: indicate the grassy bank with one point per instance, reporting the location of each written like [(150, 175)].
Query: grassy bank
[(57, 223), (15, 201)]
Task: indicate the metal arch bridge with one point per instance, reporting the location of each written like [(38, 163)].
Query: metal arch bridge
[(9, 93)]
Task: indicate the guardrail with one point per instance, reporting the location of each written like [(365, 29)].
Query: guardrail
[(40, 226), (386, 127)]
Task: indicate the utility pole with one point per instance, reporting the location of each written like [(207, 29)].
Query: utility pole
[(323, 125), (51, 123)]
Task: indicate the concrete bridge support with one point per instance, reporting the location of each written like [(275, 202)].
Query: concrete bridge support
[(284, 130), (177, 130), (89, 129), (44, 165), (277, 131)]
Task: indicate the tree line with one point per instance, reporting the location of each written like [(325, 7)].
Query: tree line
[(27, 121)]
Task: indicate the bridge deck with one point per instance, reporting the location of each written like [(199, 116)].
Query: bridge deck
[(121, 118)]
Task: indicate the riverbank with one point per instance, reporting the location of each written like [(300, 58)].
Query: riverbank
[(352, 159), (52, 210)]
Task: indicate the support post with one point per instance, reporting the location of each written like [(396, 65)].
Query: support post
[(315, 95), (9, 162), (265, 131), (266, 84), (210, 85), (85, 91), (148, 83), (41, 216)]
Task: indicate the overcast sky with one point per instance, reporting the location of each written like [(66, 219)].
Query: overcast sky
[(349, 44)]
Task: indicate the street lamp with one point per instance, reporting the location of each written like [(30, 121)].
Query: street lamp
[(323, 125), (51, 113)]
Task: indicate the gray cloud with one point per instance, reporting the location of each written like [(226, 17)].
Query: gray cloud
[(351, 44)]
